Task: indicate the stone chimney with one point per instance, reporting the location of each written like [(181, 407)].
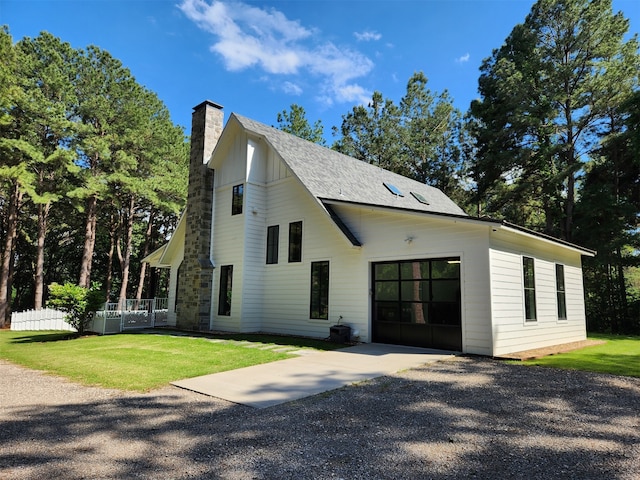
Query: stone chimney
[(195, 276)]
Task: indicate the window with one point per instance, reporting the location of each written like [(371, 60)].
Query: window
[(419, 198), (224, 299), (236, 201), (273, 234), (319, 305), (393, 189), (295, 242), (529, 289), (560, 292)]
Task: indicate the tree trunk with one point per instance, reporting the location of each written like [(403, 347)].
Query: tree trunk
[(570, 203), (43, 214), (125, 259), (12, 229), (145, 252), (112, 243), (622, 292), (89, 242)]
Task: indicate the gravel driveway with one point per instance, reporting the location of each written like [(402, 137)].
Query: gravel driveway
[(463, 418)]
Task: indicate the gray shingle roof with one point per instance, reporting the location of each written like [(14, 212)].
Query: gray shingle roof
[(330, 175)]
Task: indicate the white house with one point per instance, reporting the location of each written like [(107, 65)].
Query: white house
[(282, 235)]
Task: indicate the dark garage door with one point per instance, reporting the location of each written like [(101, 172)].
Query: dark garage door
[(417, 303)]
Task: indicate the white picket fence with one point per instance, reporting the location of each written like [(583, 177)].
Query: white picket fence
[(114, 318), (45, 319)]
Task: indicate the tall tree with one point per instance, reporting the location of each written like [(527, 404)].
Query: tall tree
[(78, 132), (48, 72), (373, 134), (420, 138), (545, 96), (430, 136), (607, 219), (15, 154), (105, 111), (295, 121)]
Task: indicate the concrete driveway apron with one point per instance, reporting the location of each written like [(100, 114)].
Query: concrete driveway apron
[(283, 381)]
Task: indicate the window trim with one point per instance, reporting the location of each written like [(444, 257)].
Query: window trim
[(237, 199), (273, 244), (528, 318), (322, 294), (561, 292), (295, 242)]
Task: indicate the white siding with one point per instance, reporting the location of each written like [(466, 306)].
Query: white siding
[(282, 304), (385, 237), (228, 237), (287, 285), (510, 330), (254, 238), (276, 298)]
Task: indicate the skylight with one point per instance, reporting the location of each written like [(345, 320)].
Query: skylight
[(420, 198), (393, 189)]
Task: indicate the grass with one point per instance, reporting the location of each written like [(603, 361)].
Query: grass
[(142, 361), (620, 355)]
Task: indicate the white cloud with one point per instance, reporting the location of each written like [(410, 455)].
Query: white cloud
[(464, 58), (367, 36), (291, 88), (250, 37)]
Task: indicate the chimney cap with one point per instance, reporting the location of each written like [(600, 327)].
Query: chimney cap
[(205, 103)]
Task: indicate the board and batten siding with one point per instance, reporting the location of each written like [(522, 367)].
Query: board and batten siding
[(511, 333)]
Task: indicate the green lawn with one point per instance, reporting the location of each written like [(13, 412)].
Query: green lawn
[(620, 355), (142, 361)]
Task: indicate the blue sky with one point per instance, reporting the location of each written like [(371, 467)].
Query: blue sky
[(258, 57)]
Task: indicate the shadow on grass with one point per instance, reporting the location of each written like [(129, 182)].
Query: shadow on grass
[(284, 340), (266, 338), (44, 337)]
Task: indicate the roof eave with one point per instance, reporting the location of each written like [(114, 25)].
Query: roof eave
[(512, 227), (502, 224), (155, 257)]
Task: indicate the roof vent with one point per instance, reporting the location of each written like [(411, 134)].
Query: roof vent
[(393, 189)]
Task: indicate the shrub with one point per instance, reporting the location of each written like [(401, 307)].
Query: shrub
[(79, 303)]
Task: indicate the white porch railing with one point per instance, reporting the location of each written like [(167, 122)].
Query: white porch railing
[(114, 318), (117, 317)]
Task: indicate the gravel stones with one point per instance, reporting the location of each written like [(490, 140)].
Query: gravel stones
[(468, 417)]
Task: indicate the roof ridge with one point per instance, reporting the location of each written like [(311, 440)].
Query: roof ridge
[(327, 173)]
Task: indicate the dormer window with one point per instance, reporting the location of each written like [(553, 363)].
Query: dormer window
[(237, 199), (393, 189)]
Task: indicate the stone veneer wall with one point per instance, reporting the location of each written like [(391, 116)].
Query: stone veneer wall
[(196, 271)]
